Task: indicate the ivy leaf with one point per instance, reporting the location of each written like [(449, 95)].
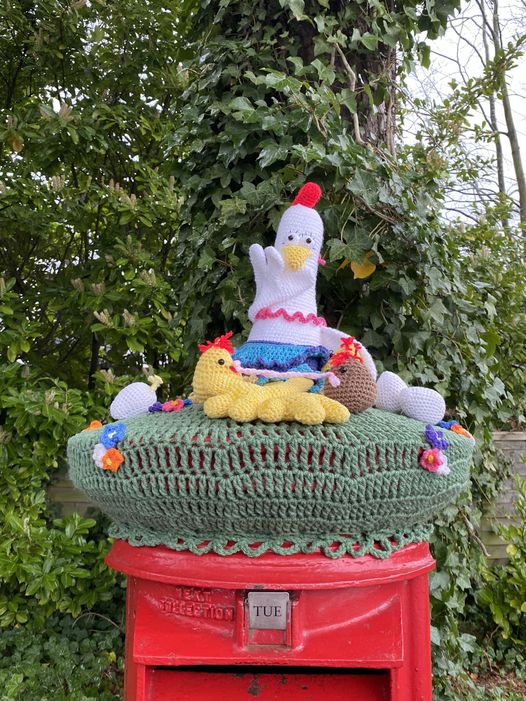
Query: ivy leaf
[(325, 72), (297, 62), (337, 249), (241, 104), (424, 54), (370, 41), (271, 153), (297, 8)]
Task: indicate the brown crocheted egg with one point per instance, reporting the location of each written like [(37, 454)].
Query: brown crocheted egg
[(357, 389)]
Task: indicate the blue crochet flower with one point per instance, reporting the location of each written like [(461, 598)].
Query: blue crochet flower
[(112, 434), (447, 424), (436, 438)]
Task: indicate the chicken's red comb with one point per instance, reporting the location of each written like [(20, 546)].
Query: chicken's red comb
[(219, 342), (308, 195), (349, 348), (349, 343)]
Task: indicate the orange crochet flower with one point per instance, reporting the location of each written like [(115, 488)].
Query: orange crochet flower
[(457, 428), (93, 425), (112, 459)]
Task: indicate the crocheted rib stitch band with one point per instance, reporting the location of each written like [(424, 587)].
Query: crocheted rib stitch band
[(192, 483)]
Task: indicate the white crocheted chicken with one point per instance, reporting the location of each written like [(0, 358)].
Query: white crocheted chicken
[(288, 335)]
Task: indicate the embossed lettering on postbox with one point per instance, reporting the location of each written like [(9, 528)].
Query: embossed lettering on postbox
[(197, 603), (267, 610)]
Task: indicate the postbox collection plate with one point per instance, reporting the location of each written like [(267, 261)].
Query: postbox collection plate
[(267, 610)]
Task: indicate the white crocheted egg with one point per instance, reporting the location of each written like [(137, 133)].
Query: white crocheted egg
[(133, 400), (388, 389), (422, 404)]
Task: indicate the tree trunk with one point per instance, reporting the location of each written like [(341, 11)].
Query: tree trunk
[(510, 123), (370, 74), (493, 114)]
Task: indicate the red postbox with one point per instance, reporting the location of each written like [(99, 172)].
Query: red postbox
[(273, 627)]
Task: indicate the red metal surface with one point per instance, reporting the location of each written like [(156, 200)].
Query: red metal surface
[(356, 628), (268, 686), (281, 571)]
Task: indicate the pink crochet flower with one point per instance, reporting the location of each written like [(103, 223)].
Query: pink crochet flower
[(173, 405), (432, 459)]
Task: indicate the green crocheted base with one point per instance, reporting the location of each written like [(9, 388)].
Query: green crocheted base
[(379, 545), (186, 479)]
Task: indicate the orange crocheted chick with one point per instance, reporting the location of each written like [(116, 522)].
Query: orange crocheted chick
[(224, 393)]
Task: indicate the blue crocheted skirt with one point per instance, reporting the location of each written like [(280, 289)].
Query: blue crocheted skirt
[(283, 357)]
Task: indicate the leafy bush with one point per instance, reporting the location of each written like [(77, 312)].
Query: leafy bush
[(71, 660), (85, 244), (505, 590), (45, 566)]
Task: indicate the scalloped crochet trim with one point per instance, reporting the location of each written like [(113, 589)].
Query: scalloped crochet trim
[(380, 545), (267, 313)]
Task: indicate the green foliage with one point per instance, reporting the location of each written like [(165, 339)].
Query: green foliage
[(45, 565), (87, 215), (145, 147), (71, 660), (505, 590), (88, 209)]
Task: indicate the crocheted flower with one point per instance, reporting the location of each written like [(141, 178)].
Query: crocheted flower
[(112, 434), (457, 428), (156, 406), (98, 453), (112, 459), (447, 424), (173, 405), (444, 468), (93, 425), (436, 438), (431, 459), (187, 402)]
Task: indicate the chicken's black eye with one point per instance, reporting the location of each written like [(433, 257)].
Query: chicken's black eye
[(342, 370), (291, 237), (221, 361), (309, 240)]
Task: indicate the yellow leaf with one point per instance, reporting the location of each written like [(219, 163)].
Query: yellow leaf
[(345, 263), (17, 142), (364, 268)]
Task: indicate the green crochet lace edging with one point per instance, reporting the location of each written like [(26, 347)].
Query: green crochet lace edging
[(380, 545)]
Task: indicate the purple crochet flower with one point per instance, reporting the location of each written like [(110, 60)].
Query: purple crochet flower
[(156, 406), (436, 438), (112, 434)]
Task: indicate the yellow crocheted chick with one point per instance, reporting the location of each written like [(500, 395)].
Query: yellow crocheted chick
[(224, 393)]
